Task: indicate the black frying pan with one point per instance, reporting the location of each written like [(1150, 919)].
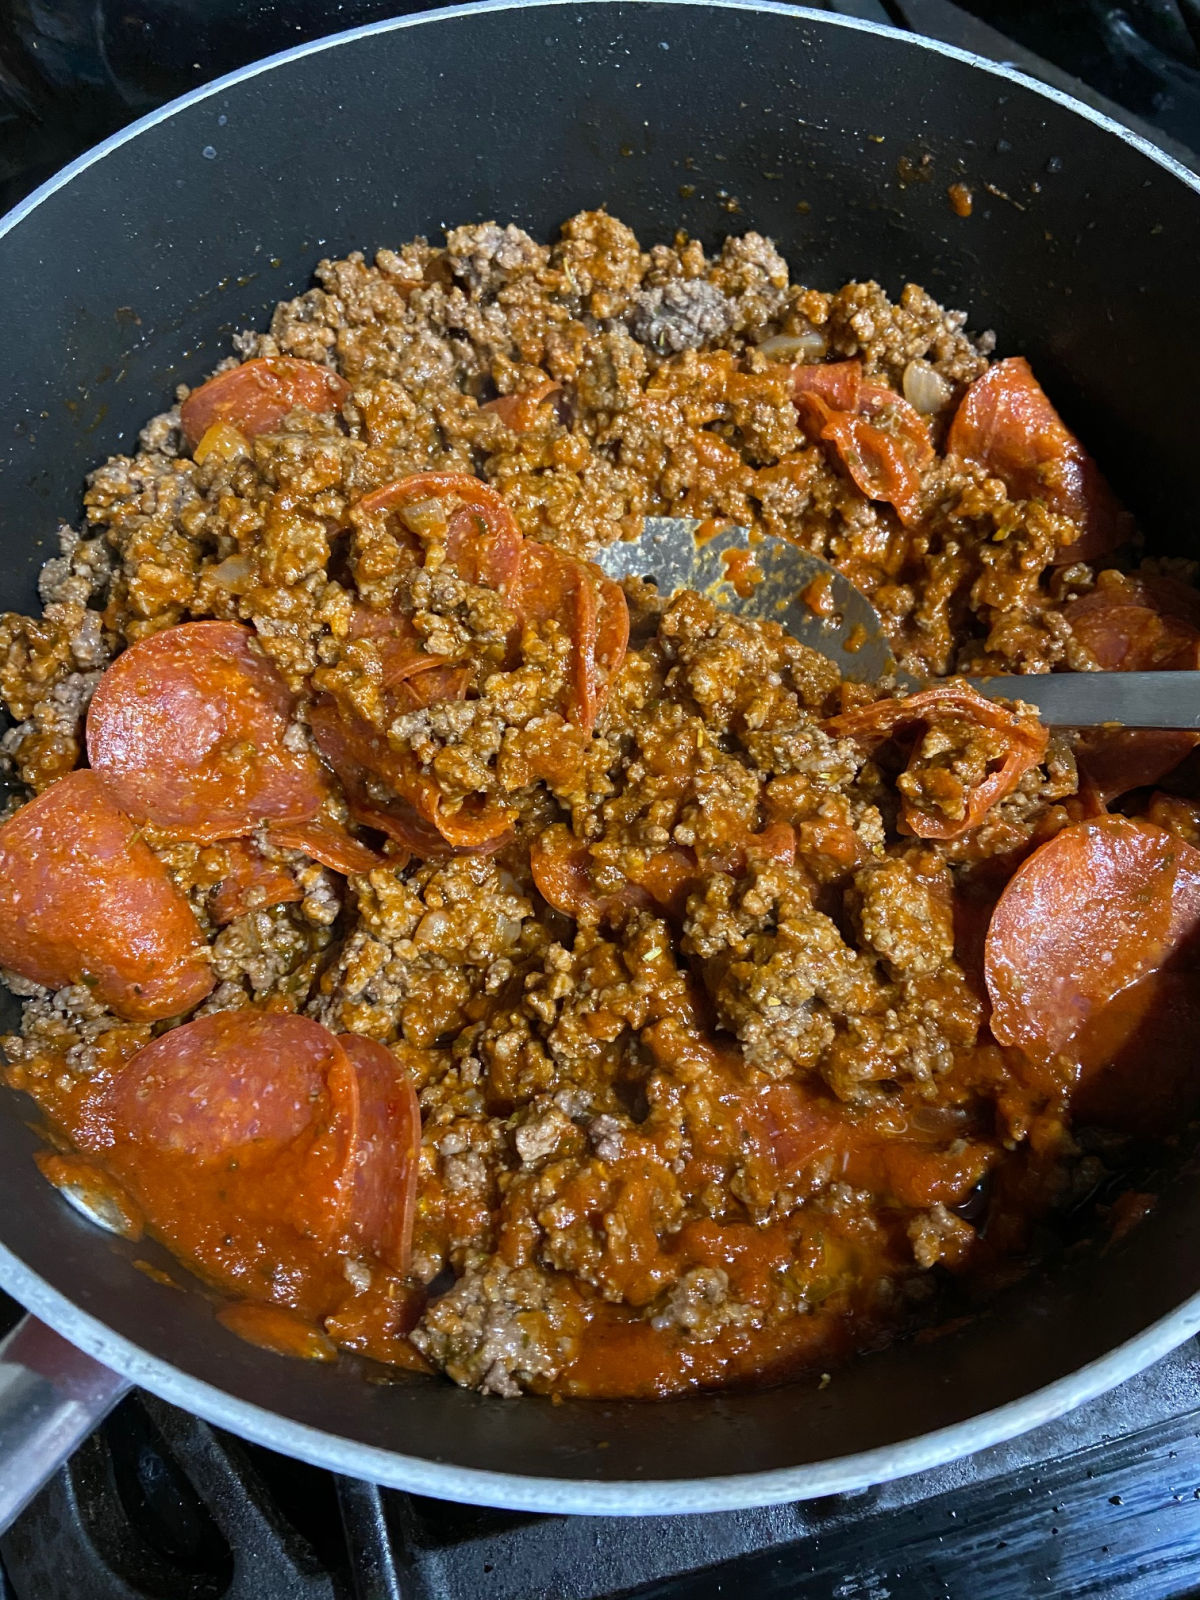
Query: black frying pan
[(130, 271)]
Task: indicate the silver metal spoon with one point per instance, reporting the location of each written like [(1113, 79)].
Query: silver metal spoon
[(846, 627)]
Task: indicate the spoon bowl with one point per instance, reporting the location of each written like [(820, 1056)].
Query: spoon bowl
[(774, 580)]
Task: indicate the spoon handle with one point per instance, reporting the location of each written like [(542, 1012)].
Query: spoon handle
[(1090, 699)]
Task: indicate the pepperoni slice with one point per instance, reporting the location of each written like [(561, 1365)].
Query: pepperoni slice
[(939, 802), (417, 817), (590, 608), (328, 843), (235, 1134), (561, 866), (83, 899), (1006, 424), (837, 383), (242, 1084), (520, 411), (188, 727), (796, 1128), (1091, 912), (249, 1137), (569, 878), (432, 687), (384, 1156), (256, 396), (401, 823), (251, 882), (882, 442), (1138, 624), (1112, 761), (477, 531), (401, 650)]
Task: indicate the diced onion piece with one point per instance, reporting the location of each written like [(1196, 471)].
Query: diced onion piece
[(424, 516), (924, 388), (807, 346), (222, 440), (235, 573)]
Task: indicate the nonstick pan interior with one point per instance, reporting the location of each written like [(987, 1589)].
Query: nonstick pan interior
[(131, 272)]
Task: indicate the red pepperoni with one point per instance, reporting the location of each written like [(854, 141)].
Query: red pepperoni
[(520, 411), (400, 648), (1112, 761), (235, 1135), (1138, 624), (796, 1128), (479, 534), (259, 1145), (1006, 424), (416, 817), (837, 383), (882, 442), (188, 728), (568, 877), (432, 686), (1025, 738), (561, 866), (328, 843), (84, 900), (241, 1084), (255, 397), (1092, 912), (384, 1156), (250, 883), (592, 611)]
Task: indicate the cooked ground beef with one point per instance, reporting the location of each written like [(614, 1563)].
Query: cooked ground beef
[(699, 1030)]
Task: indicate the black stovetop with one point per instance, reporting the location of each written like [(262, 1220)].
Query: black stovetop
[(159, 1506)]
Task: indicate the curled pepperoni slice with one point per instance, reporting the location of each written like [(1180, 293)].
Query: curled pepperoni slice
[(593, 612), (837, 383), (477, 532), (384, 1157), (1088, 915), (188, 728), (883, 443), (329, 843), (562, 869), (417, 816), (400, 648), (1006, 424), (432, 687), (569, 877), (84, 900), (250, 883), (985, 750), (520, 411), (256, 396), (795, 1128)]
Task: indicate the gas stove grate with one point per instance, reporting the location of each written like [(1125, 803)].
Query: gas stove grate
[(160, 1506)]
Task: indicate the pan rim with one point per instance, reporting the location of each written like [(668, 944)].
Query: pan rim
[(588, 1496), (298, 52), (566, 1495)]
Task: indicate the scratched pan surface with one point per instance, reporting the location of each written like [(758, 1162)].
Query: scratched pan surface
[(130, 273), (767, 578)]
